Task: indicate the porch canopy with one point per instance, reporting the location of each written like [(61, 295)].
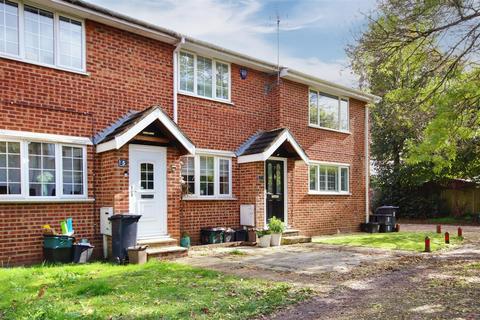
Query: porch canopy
[(265, 144), (151, 126)]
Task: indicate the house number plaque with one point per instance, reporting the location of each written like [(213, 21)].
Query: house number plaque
[(122, 163)]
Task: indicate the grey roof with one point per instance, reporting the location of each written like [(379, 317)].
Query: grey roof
[(125, 123), (260, 142)]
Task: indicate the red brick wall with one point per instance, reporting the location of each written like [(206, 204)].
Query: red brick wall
[(252, 188), (174, 192), (126, 72), (222, 126), (130, 72), (20, 228), (316, 214)]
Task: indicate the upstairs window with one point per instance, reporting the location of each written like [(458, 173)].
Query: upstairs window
[(70, 43), (328, 111), (48, 38), (328, 178), (38, 35), (206, 176), (9, 27), (204, 77)]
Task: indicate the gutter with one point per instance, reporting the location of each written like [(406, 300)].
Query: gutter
[(175, 80), (300, 77), (103, 15)]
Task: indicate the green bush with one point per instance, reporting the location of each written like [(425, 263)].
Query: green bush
[(276, 225), (261, 233)]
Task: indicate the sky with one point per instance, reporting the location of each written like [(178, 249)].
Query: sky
[(313, 33)]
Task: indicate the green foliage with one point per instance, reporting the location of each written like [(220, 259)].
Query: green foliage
[(451, 140), (237, 252), (156, 290), (276, 225), (261, 233), (426, 128), (411, 241)]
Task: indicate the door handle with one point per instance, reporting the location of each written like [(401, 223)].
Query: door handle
[(131, 190)]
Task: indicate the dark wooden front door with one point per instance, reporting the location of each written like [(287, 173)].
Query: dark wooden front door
[(275, 187)]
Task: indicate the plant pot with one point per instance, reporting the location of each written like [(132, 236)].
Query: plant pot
[(137, 255), (185, 242), (276, 239), (264, 241)]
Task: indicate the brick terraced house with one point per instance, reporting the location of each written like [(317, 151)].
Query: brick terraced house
[(104, 113)]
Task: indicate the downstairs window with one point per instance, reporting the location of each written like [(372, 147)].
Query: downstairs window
[(206, 176), (328, 178), (36, 169)]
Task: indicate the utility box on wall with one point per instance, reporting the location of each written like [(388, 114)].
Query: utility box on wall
[(105, 224), (247, 215)]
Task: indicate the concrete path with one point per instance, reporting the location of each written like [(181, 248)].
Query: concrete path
[(364, 283)]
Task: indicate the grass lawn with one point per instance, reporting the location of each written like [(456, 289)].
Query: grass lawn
[(452, 220), (412, 241), (157, 290)]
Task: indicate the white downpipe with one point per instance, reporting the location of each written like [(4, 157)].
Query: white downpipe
[(105, 247), (175, 80), (367, 165)]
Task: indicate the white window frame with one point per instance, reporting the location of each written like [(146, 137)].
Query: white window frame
[(338, 166), (214, 78), (24, 173), (216, 179), (56, 38), (339, 98)]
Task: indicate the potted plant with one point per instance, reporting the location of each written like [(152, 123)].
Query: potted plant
[(276, 227), (185, 240), (264, 238)]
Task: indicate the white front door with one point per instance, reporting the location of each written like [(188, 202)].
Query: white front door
[(148, 189)]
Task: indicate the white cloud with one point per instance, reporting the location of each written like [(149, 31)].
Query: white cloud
[(243, 26)]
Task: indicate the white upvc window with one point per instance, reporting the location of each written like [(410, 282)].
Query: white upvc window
[(328, 111), (203, 76), (9, 27), (207, 176), (41, 36), (329, 178), (42, 170)]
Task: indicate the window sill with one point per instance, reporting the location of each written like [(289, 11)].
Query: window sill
[(322, 193), (188, 94), (329, 129), (199, 198), (46, 200), (5, 56)]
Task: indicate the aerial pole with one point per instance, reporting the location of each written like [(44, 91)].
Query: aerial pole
[(278, 48)]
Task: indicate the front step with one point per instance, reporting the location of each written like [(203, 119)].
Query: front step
[(290, 233), (158, 243), (296, 239), (166, 253)]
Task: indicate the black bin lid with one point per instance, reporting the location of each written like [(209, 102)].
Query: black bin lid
[(124, 217), (387, 207)]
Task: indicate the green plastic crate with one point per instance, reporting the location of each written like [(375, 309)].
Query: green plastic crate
[(57, 242)]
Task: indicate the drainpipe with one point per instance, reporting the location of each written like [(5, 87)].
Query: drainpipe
[(367, 165), (175, 80)]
